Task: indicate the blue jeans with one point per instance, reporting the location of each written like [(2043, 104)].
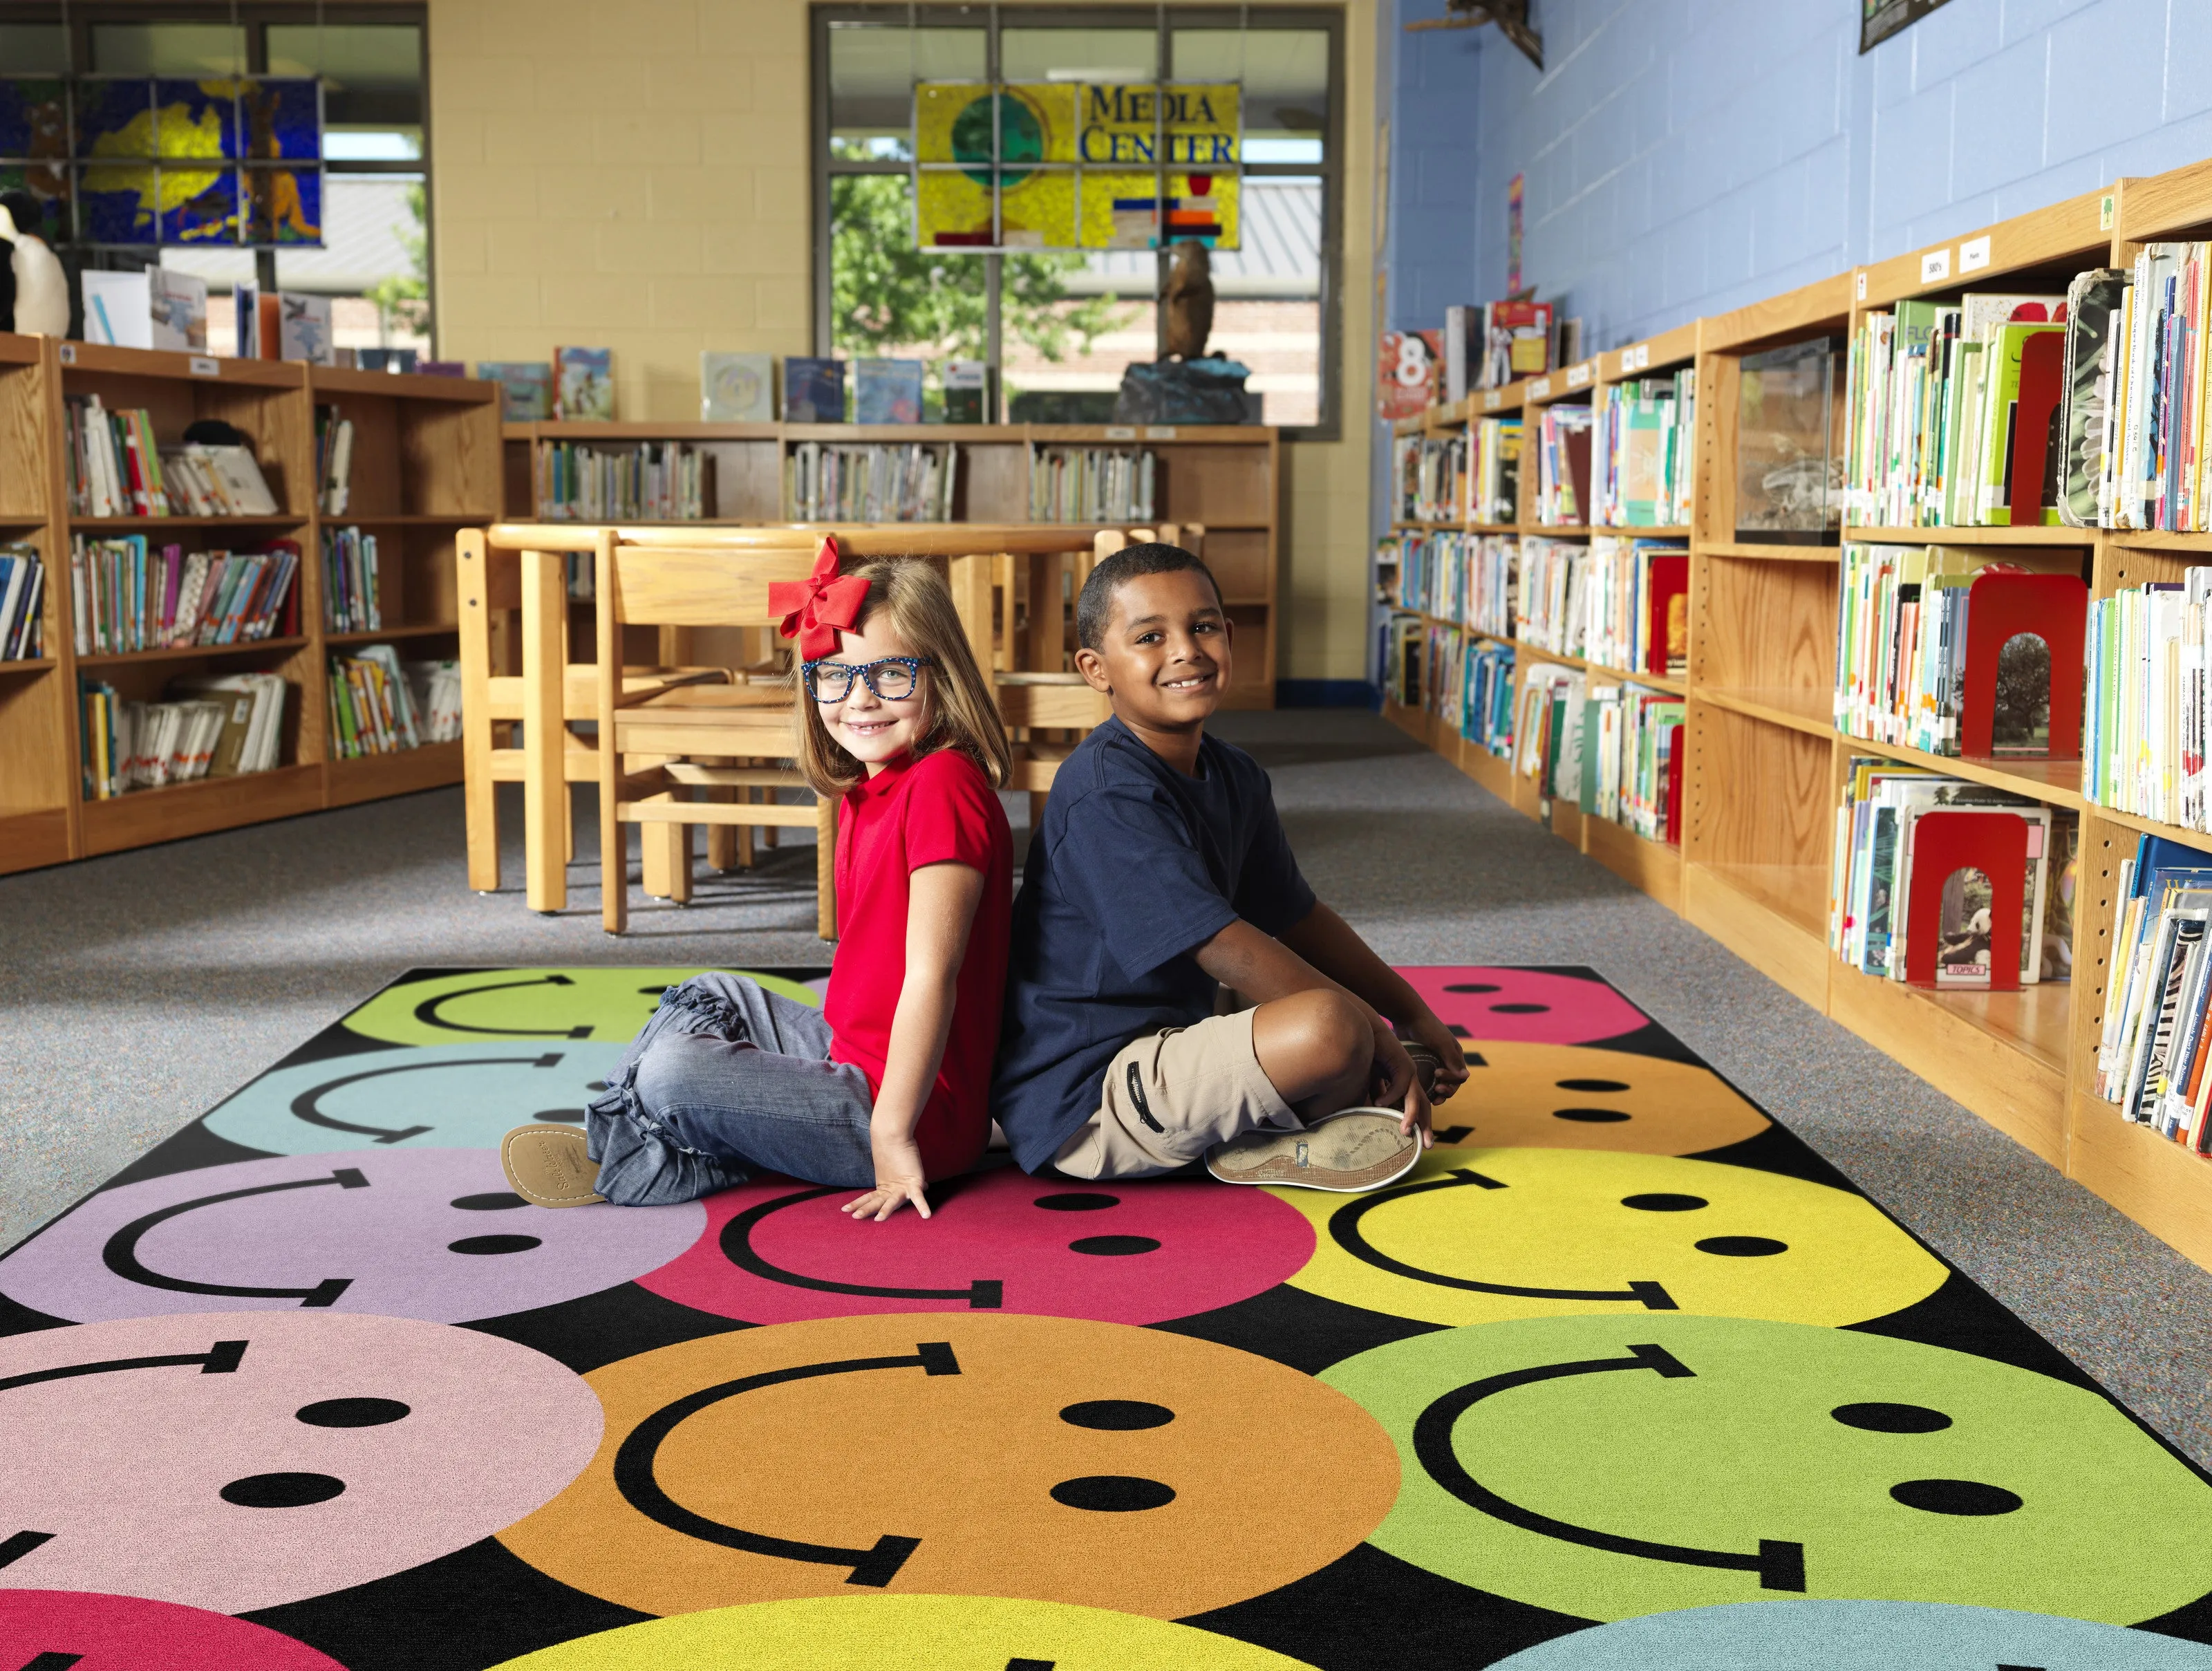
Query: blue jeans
[(727, 1079)]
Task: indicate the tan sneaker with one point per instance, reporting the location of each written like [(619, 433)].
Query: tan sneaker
[(1357, 1149), (548, 1166)]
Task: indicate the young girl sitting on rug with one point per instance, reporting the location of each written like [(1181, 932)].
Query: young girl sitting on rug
[(885, 1087)]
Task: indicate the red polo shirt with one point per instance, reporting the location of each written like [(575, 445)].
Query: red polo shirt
[(928, 811)]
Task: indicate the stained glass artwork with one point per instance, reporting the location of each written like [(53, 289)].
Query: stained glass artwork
[(1132, 185), (169, 159)]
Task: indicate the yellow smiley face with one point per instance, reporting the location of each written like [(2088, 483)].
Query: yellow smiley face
[(1481, 1236), (1570, 1097)]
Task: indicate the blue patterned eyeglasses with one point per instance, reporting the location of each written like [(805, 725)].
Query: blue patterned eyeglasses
[(894, 679)]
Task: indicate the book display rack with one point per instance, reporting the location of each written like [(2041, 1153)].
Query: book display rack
[(1765, 767), (1226, 479), (424, 464)]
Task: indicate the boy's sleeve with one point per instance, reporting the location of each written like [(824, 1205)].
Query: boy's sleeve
[(1126, 862), (949, 816), (1272, 894)]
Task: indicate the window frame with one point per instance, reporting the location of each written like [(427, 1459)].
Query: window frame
[(1165, 20)]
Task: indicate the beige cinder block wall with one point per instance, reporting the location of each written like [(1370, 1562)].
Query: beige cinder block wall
[(633, 175)]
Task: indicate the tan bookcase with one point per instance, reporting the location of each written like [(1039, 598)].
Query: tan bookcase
[(426, 464)]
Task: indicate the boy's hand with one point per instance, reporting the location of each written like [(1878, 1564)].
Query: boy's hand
[(1400, 1086), (1452, 1074), (899, 1179)]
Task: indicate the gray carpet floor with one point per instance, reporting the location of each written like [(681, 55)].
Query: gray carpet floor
[(138, 990)]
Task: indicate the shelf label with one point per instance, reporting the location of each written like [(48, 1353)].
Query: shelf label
[(202, 365), (1491, 400), (1578, 375), (1635, 359), (1120, 432), (2106, 205), (1160, 431), (1934, 265), (1862, 297), (69, 354), (1974, 254), (1538, 389)]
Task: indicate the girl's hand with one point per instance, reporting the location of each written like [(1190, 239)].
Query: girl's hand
[(899, 1179), (1452, 1073)]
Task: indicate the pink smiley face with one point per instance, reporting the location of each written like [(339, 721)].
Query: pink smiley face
[(233, 1460), (1138, 1251), (431, 1233), (53, 1628), (1531, 1006)]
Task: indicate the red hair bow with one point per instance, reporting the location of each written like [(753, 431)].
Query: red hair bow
[(820, 605)]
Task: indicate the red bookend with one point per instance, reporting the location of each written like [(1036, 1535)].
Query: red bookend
[(1673, 830), (2042, 375), (1994, 843), (1670, 579), (2055, 608)]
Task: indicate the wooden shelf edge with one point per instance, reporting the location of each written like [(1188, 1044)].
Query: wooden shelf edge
[(1786, 954), (31, 840), (375, 776), (1990, 772), (2051, 536), (1760, 703), (1654, 866), (146, 815), (2163, 1187)]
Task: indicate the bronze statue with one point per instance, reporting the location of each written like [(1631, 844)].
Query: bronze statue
[(1190, 301)]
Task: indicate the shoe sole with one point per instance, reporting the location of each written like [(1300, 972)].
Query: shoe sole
[(547, 1166), (1350, 1159)]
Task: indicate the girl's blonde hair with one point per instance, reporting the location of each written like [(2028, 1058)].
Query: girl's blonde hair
[(915, 603)]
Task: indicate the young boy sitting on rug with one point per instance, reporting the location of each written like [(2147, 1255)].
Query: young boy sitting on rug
[(1160, 874), (884, 1087)]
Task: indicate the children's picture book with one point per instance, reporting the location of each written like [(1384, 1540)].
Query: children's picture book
[(813, 390), (526, 388), (303, 328), (440, 368), (1517, 342), (117, 310), (967, 386), (1410, 365), (2093, 301), (737, 388), (178, 305), (584, 384), (393, 359), (887, 391)]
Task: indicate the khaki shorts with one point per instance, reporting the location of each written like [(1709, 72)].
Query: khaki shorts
[(1169, 1096)]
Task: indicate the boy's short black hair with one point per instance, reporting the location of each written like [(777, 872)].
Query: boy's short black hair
[(1095, 608)]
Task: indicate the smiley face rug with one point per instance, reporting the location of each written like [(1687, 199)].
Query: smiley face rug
[(1041, 1457), (778, 1251), (1623, 1375)]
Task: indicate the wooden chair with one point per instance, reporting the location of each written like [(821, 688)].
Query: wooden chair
[(523, 568), (687, 734)]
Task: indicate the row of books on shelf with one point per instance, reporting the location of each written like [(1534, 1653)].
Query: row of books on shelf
[(1472, 475), (1623, 604), (380, 705), (1641, 452), (1953, 411), (2154, 1050), (117, 468), (1090, 484), (22, 594), (837, 482), (741, 387), (2147, 702), (1467, 579), (351, 597), (1563, 465), (1881, 848), (652, 482), (1901, 644), (209, 726), (127, 594)]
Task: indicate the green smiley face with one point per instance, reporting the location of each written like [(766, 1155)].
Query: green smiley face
[(1610, 1466), (607, 1005)]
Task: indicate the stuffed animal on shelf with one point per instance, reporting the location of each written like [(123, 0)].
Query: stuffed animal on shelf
[(34, 289), (1190, 301)]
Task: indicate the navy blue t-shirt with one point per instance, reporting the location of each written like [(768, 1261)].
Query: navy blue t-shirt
[(1136, 867)]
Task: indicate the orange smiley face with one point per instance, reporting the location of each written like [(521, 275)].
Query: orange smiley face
[(1048, 1458), (1570, 1097)]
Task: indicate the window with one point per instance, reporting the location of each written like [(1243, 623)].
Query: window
[(373, 260), (1058, 329)]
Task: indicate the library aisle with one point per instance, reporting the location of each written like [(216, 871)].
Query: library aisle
[(156, 1001)]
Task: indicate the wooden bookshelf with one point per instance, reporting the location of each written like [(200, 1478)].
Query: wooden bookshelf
[(426, 464), (1766, 767), (1226, 479)]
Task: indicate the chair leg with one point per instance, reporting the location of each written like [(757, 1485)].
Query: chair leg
[(744, 832), (825, 868), (656, 844), (545, 731), (722, 838)]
